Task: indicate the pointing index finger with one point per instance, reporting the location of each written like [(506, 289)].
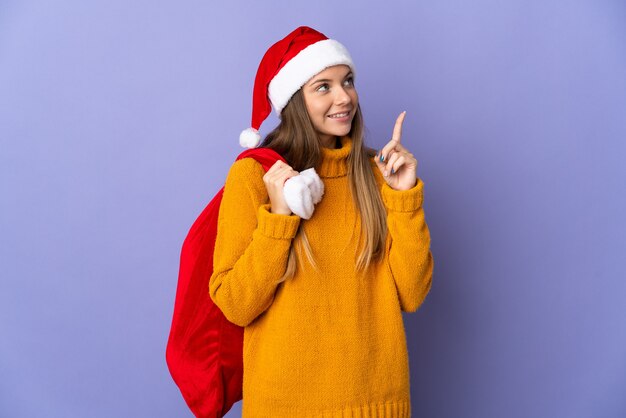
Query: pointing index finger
[(397, 129)]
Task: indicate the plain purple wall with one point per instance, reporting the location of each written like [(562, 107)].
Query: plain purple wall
[(119, 120)]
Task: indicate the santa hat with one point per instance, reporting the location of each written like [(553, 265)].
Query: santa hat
[(286, 66)]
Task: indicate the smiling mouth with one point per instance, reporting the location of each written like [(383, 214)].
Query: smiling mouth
[(341, 115)]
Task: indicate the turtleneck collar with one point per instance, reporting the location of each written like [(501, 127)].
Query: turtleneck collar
[(334, 161)]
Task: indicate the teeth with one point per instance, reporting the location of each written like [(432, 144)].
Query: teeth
[(339, 115)]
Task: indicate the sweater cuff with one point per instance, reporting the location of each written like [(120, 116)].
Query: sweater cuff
[(403, 200), (275, 225)]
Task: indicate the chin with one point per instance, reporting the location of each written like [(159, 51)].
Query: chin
[(339, 132)]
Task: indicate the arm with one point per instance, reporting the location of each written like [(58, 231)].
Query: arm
[(251, 247), (410, 259)]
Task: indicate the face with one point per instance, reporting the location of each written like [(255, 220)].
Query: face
[(326, 94)]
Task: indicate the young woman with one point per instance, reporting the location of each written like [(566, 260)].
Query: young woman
[(321, 298)]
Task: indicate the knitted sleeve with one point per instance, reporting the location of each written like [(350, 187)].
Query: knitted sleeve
[(251, 247), (409, 257)]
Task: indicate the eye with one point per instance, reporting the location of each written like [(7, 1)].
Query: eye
[(349, 80), (320, 86)]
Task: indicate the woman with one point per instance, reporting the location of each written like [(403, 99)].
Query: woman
[(323, 334)]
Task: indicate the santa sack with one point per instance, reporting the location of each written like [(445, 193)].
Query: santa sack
[(205, 351)]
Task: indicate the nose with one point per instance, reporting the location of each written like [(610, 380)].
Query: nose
[(342, 97)]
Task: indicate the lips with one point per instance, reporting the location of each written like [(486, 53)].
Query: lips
[(345, 114)]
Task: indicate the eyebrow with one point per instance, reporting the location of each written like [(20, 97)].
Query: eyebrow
[(326, 79)]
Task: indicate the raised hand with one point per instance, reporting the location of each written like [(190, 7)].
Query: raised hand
[(395, 162)]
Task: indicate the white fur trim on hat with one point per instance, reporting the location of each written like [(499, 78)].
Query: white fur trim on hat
[(298, 70), (302, 192)]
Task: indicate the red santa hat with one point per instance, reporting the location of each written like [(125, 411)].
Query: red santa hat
[(286, 66)]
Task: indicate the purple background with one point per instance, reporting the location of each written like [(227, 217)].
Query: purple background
[(119, 120)]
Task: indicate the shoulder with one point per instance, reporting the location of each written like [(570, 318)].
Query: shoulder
[(246, 173), (245, 166)]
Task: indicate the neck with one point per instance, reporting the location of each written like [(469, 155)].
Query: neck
[(332, 142), (334, 161)]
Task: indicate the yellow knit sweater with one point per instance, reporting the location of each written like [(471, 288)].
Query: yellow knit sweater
[(329, 344)]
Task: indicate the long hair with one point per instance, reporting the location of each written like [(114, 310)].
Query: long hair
[(297, 141)]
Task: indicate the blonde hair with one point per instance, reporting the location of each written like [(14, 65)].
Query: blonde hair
[(297, 141)]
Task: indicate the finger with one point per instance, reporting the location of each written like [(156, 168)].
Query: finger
[(289, 175), (277, 171), (275, 166), (285, 173), (393, 157), (401, 148), (394, 143), (397, 164), (397, 129), (385, 153), (279, 168)]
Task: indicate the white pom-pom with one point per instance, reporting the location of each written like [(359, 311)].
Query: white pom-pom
[(249, 138)]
